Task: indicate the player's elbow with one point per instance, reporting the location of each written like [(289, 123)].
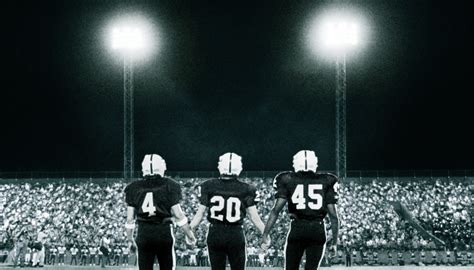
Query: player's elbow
[(275, 211), (255, 219), (332, 212), (334, 220)]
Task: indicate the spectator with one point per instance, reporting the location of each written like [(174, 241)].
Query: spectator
[(74, 251), (74, 214)]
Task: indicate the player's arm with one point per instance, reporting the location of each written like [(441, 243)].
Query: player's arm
[(203, 195), (198, 216), (332, 211), (182, 222), (331, 197), (277, 207), (255, 218), (130, 225)]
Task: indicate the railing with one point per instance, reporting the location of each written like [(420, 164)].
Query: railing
[(410, 173), (209, 174)]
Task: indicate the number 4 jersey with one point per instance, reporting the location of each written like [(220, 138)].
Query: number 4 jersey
[(153, 198), (227, 200), (307, 193)]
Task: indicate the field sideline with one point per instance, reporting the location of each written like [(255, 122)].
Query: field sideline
[(337, 267)]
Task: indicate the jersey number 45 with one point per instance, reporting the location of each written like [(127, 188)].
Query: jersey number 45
[(315, 200)]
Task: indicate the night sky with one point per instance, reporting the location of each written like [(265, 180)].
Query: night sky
[(236, 76)]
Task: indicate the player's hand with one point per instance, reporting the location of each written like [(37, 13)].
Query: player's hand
[(190, 241), (133, 246), (266, 241), (333, 250), (173, 220)]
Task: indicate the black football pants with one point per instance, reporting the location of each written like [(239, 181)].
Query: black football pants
[(155, 240), (309, 236), (226, 241)]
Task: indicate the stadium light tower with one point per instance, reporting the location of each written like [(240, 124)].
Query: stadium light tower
[(335, 35), (131, 38)]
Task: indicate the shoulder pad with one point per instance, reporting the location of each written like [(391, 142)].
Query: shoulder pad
[(172, 181), (283, 174), (206, 182), (131, 185), (281, 177), (252, 187), (331, 176)]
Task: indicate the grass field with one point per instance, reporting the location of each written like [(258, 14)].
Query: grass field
[(337, 267)]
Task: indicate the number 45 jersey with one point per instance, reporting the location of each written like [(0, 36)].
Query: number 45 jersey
[(153, 198), (227, 200), (307, 193)]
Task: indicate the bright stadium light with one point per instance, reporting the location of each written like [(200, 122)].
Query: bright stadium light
[(334, 34), (128, 38), (134, 38), (341, 34)]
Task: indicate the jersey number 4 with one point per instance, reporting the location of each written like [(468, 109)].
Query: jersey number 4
[(147, 205), (299, 198), (232, 205)]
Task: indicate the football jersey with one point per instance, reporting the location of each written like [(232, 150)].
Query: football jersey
[(307, 193), (227, 200), (153, 198)]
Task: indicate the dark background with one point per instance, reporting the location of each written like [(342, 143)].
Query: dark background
[(236, 76)]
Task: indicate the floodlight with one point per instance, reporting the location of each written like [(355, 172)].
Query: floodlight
[(336, 32), (128, 38), (132, 36), (340, 34)]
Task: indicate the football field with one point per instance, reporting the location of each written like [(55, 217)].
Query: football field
[(336, 267)]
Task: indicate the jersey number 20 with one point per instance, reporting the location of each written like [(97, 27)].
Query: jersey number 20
[(232, 205), (299, 197)]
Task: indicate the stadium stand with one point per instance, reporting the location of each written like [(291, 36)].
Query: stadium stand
[(77, 213)]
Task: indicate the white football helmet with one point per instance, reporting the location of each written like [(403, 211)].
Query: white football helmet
[(153, 164), (305, 160), (230, 164)]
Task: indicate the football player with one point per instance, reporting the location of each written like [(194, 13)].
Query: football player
[(227, 201), (310, 196), (154, 203)]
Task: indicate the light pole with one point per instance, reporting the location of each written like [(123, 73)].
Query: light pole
[(341, 164), (129, 39), (337, 34), (128, 132)]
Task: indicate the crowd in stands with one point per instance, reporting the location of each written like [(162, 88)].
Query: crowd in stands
[(78, 214)]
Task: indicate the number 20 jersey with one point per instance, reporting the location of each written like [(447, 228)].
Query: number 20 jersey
[(307, 193), (153, 198), (227, 200)]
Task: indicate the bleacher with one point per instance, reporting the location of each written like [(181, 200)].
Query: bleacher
[(75, 211)]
